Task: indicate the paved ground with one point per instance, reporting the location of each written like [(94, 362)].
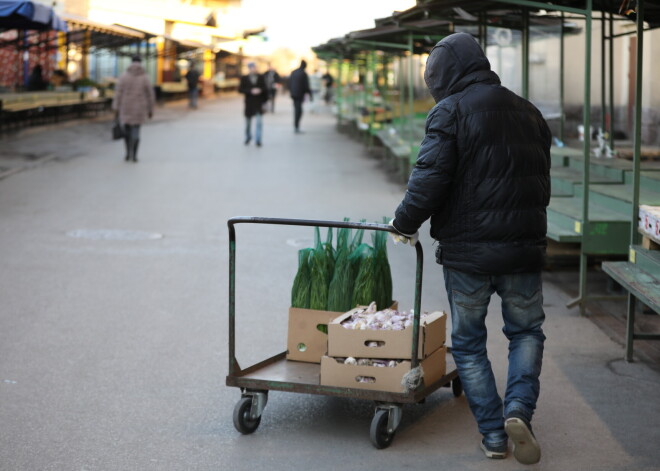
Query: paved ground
[(113, 312)]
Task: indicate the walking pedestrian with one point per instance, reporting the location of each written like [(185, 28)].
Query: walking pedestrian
[(272, 82), (328, 83), (192, 77), (298, 88), (133, 103), (253, 86), (482, 176), (36, 80)]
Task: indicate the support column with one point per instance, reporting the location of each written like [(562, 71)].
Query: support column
[(586, 121), (637, 131), (525, 54), (411, 90), (401, 96), (339, 99), (611, 81), (562, 58), (603, 101)]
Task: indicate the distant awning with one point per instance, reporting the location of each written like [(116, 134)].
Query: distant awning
[(80, 23), (16, 14)]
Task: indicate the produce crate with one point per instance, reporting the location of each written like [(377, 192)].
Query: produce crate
[(377, 378), (388, 344)]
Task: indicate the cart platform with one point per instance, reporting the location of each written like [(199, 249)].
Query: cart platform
[(279, 374)]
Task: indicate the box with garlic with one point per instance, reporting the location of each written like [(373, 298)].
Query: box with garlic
[(366, 332), (382, 375)]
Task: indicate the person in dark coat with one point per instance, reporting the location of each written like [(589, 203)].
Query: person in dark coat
[(272, 79), (298, 88), (253, 86), (36, 80), (482, 176), (328, 83), (192, 77)]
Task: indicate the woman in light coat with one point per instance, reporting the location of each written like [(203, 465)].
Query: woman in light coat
[(134, 102)]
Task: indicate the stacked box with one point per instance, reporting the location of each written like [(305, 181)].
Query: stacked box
[(383, 345), (336, 373), (649, 220), (307, 338)]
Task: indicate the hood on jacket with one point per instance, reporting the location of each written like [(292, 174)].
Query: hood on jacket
[(135, 69), (452, 60)]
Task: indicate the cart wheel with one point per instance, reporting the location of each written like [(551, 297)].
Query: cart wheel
[(457, 386), (242, 420), (379, 435)]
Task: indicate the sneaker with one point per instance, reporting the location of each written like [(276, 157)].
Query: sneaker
[(494, 452), (525, 447)]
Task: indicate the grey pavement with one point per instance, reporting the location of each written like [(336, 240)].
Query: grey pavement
[(113, 311)]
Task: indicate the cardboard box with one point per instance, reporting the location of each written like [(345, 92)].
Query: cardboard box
[(392, 344), (305, 339), (305, 342), (381, 378), (649, 220)]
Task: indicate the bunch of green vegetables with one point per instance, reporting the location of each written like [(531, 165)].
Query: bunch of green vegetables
[(338, 279)]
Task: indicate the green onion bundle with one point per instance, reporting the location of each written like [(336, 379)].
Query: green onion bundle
[(338, 279), (302, 281), (382, 272), (341, 286), (362, 264), (321, 265)]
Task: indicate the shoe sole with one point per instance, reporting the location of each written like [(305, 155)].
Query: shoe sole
[(525, 447), (493, 455)]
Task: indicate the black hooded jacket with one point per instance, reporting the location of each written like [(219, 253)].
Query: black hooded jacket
[(482, 173)]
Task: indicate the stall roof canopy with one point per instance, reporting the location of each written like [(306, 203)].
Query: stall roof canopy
[(81, 23), (468, 11), (15, 14), (428, 23)]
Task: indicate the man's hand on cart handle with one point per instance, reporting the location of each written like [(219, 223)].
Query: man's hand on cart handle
[(404, 238)]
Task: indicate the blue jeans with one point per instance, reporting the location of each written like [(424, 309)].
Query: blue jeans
[(193, 93), (248, 127), (522, 310)]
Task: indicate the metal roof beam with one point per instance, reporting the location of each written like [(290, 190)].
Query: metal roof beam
[(543, 6)]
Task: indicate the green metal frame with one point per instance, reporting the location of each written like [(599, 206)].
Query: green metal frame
[(634, 237)]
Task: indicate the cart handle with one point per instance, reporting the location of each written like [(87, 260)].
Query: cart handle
[(233, 364)]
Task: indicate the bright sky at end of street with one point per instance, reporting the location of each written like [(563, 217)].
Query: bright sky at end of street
[(301, 24)]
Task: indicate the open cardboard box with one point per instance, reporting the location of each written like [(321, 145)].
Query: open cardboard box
[(379, 378), (391, 344), (307, 338)]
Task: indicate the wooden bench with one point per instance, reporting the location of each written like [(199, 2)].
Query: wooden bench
[(172, 90), (640, 276), (21, 109)]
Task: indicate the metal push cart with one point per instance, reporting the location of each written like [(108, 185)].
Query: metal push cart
[(279, 374)]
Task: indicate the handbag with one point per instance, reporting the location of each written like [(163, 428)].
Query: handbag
[(117, 130)]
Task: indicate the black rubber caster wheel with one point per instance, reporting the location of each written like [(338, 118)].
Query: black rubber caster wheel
[(242, 420), (378, 433), (457, 386)]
